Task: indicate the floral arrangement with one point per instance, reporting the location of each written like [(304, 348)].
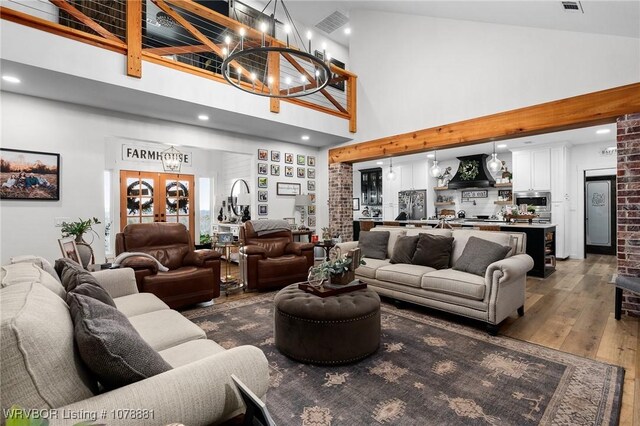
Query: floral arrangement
[(79, 228)]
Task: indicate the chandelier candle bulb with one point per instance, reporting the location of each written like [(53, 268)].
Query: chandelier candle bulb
[(287, 30), (309, 37), (242, 33)]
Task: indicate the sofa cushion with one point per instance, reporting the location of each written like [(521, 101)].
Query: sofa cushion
[(431, 231), (166, 328), (457, 283), (39, 261), (461, 236), (410, 275), (433, 250), (41, 368), (188, 352), (27, 272), (404, 249), (374, 245), (478, 254), (110, 346), (369, 270), (139, 303), (73, 275), (394, 233)]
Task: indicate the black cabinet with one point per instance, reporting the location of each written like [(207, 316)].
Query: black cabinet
[(371, 187)]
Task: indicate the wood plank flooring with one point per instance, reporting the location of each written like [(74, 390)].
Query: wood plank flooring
[(572, 311)]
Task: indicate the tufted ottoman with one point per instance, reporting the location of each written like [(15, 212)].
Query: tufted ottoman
[(331, 330)]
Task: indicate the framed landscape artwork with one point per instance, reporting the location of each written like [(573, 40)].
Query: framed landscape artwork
[(29, 175)]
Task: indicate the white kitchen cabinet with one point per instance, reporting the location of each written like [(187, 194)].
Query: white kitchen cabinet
[(559, 175), (559, 217), (532, 170)]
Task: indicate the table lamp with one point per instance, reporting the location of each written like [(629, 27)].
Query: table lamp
[(303, 200)]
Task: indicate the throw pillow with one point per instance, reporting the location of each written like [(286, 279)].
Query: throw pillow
[(373, 244), (73, 275), (433, 251), (404, 249), (478, 254), (109, 345), (94, 291)]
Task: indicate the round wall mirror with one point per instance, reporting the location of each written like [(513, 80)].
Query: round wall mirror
[(240, 197)]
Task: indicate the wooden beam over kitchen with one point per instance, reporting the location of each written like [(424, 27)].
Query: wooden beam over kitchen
[(571, 113)]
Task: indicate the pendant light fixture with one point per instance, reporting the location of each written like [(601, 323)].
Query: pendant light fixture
[(435, 169), (494, 164), (391, 175)]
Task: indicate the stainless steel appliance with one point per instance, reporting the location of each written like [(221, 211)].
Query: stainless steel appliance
[(540, 200)]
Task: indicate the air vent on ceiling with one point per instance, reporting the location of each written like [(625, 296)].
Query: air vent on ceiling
[(572, 6), (332, 22)]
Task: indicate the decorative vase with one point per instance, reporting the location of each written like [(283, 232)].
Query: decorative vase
[(343, 279)]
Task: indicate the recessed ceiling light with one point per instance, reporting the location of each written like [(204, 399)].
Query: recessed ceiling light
[(379, 163), (203, 117), (10, 79), (603, 131), (502, 145), (305, 137), (347, 30), (430, 156)]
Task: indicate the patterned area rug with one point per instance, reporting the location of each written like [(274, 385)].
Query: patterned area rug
[(426, 372)]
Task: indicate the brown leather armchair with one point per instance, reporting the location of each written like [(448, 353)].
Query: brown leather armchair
[(273, 260), (193, 276)]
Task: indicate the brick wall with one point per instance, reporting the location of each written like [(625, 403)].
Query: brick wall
[(628, 187), (341, 199)]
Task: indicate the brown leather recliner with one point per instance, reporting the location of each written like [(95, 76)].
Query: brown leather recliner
[(193, 276), (273, 260)]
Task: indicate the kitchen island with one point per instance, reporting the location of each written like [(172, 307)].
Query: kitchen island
[(541, 237)]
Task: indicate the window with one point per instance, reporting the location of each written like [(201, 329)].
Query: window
[(107, 212)]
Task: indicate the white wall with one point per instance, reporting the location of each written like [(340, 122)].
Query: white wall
[(415, 72), (584, 158), (82, 136)]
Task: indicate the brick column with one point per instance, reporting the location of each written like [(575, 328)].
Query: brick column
[(340, 199), (628, 206)]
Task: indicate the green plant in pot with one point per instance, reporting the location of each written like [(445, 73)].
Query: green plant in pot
[(338, 267), (327, 235), (79, 228)]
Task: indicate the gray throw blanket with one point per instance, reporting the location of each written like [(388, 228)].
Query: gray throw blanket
[(269, 226), (122, 256)]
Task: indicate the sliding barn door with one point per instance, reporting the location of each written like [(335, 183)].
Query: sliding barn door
[(156, 197)]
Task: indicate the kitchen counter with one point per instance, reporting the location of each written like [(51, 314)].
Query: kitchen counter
[(463, 222)]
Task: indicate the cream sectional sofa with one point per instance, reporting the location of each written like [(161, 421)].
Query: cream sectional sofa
[(41, 368), (491, 298)]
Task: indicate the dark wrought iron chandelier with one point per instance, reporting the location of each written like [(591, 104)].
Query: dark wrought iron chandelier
[(266, 66)]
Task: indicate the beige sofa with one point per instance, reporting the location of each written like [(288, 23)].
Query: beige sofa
[(41, 368), (491, 298)]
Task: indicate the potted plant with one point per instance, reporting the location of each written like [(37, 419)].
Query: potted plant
[(79, 228), (338, 267), (326, 235)]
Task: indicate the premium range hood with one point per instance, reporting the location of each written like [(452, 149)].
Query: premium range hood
[(472, 173)]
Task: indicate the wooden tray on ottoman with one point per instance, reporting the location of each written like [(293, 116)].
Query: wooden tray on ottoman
[(329, 289)]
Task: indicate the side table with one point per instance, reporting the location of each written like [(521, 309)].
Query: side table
[(327, 246), (228, 283)]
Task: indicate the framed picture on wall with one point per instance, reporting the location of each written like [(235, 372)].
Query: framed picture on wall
[(263, 154), (311, 161), (311, 185), (263, 196), (275, 170), (312, 196), (263, 182), (29, 175), (288, 171), (288, 158), (311, 209), (275, 156), (69, 249), (312, 221), (301, 172), (263, 168), (263, 209), (311, 173), (301, 160), (286, 188)]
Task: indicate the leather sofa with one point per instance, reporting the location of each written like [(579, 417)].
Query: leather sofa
[(273, 260), (490, 299), (41, 366), (193, 275)]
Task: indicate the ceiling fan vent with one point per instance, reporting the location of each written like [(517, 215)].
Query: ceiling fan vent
[(332, 22), (572, 6)]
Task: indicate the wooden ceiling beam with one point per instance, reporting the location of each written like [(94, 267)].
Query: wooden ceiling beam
[(565, 114)]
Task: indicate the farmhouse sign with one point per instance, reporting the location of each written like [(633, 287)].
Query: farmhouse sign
[(138, 153)]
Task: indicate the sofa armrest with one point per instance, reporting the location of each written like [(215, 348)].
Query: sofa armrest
[(138, 263), (199, 257), (253, 250), (117, 282), (345, 247), (298, 248), (200, 393), (506, 269)]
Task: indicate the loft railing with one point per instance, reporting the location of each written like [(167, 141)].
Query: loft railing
[(180, 34)]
